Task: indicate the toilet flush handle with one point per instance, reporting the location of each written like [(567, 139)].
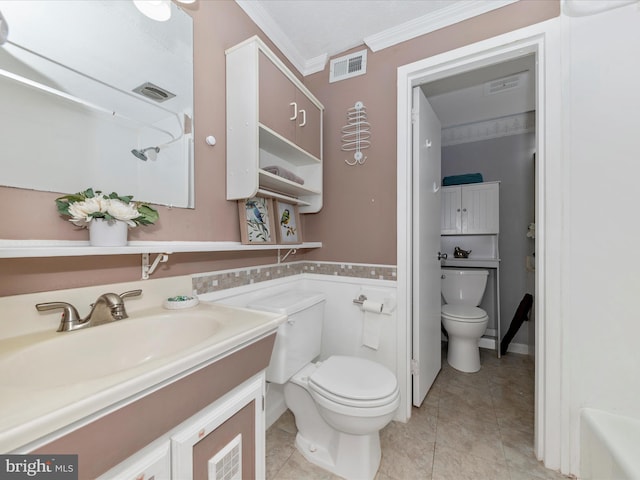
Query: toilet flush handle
[(442, 256)]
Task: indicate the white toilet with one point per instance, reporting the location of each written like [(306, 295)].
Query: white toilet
[(465, 323), (340, 404)]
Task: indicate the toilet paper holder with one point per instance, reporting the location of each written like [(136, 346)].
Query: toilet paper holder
[(360, 300)]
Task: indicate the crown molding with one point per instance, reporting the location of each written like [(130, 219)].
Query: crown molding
[(387, 38), (433, 21), (315, 65), (488, 129), (274, 33)]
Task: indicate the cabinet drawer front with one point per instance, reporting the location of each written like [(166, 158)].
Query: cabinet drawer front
[(152, 463)]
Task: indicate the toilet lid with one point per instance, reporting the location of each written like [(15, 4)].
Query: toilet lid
[(464, 313), (354, 381)]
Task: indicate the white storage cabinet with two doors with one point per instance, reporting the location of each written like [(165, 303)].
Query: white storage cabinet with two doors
[(470, 209), (272, 121)]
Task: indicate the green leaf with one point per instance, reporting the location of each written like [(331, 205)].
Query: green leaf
[(147, 216)]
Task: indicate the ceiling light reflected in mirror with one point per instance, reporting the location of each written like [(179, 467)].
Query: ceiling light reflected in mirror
[(158, 10)]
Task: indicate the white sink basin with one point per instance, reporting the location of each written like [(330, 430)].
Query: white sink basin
[(50, 380), (95, 352)]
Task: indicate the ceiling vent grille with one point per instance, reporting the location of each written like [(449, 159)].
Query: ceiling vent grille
[(348, 66), (153, 92), (502, 84)]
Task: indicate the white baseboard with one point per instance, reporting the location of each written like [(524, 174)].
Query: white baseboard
[(490, 344), (518, 348)]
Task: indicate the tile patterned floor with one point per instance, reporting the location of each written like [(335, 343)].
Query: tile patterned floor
[(471, 426)]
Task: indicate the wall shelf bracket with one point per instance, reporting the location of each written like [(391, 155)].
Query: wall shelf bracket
[(292, 251), (148, 269)]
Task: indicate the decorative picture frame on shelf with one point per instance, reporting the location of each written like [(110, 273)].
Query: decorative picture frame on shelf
[(287, 223), (257, 224)]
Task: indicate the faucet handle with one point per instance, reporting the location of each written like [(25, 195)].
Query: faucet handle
[(131, 293), (118, 311), (69, 313)]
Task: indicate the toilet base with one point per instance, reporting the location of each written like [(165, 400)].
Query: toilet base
[(464, 337), (354, 457), (464, 354)]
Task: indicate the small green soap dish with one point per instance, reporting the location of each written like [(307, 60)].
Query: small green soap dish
[(180, 301)]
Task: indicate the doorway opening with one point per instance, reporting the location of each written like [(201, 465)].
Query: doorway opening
[(488, 133), (457, 66)]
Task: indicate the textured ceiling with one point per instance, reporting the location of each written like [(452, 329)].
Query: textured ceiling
[(333, 26), (308, 32)]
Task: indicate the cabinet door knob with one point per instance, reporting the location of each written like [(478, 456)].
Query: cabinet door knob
[(304, 118), (295, 110)]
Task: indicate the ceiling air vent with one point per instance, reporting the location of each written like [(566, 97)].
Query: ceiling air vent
[(153, 92), (348, 66), (502, 84)]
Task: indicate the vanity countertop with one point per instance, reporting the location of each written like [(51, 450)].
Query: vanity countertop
[(43, 409)]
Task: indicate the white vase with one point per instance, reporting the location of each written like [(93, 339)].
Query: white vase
[(105, 233)]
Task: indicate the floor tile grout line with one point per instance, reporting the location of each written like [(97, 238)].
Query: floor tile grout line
[(506, 386)]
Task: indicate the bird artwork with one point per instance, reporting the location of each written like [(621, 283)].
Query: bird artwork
[(257, 222), (287, 228)]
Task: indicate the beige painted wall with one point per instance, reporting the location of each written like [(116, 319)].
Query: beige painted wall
[(218, 25), (358, 221)]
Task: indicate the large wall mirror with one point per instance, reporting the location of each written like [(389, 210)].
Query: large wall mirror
[(95, 94)]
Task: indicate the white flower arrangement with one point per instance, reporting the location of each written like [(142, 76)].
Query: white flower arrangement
[(83, 207)]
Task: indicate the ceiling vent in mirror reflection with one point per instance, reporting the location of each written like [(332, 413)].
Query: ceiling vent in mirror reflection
[(153, 92)]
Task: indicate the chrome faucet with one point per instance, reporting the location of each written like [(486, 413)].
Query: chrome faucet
[(109, 307)]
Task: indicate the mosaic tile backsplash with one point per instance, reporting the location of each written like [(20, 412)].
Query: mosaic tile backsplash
[(212, 282)]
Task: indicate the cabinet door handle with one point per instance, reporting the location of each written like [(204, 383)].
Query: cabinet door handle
[(304, 118), (295, 110)]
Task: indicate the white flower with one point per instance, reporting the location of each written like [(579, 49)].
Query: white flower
[(83, 207), (122, 211), (80, 211)]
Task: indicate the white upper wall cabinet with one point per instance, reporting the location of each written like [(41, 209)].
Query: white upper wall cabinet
[(273, 124), (470, 209)]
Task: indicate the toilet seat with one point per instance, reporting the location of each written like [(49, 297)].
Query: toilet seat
[(464, 313), (354, 382)]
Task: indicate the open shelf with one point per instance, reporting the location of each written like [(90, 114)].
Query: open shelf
[(71, 248)]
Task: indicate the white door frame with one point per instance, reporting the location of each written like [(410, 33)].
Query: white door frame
[(543, 40)]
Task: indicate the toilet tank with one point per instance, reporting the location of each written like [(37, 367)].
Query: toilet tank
[(298, 339), (463, 286)]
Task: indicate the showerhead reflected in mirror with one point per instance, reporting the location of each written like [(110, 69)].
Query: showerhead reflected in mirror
[(149, 153), (68, 73)]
